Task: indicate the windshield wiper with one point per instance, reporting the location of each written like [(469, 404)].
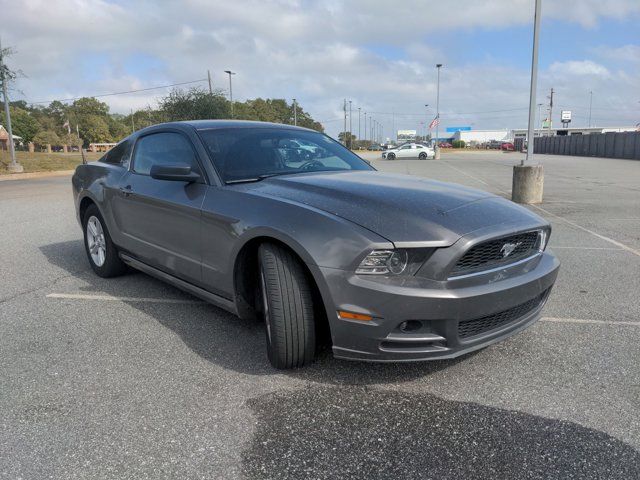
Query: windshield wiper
[(257, 178)]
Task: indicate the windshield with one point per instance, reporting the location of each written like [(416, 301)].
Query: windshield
[(249, 154)]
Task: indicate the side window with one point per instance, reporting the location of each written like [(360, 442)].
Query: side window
[(406, 147), (118, 155), (163, 148)]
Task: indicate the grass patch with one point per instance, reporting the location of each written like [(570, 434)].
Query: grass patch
[(45, 162)]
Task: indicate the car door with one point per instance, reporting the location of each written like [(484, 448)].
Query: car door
[(404, 151), (160, 220)]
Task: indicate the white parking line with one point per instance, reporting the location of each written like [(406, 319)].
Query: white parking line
[(589, 321), (110, 298)]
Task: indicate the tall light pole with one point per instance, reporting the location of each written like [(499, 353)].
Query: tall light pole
[(344, 132), (540, 117), (295, 113), (350, 129), (359, 124), (230, 89), (528, 178), (437, 147), (590, 103), (365, 123), (426, 122)]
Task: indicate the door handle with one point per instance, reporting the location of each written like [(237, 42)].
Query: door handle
[(126, 191)]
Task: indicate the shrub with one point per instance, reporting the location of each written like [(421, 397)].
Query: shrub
[(458, 144)]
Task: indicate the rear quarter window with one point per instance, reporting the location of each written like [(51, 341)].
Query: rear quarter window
[(119, 155)]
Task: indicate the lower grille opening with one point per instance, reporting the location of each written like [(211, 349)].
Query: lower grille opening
[(478, 326)]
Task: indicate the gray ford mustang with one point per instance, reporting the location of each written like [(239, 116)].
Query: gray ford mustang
[(285, 224)]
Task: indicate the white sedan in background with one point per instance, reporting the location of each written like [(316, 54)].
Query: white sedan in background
[(410, 150)]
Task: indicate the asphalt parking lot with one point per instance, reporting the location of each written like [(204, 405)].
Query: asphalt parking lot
[(131, 378)]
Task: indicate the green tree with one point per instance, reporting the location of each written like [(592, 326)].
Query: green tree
[(458, 144), (350, 139), (23, 124), (46, 137), (86, 106), (71, 139), (94, 129), (194, 104)]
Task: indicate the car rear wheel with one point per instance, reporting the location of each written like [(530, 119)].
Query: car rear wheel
[(391, 156), (287, 307), (422, 156), (101, 252)]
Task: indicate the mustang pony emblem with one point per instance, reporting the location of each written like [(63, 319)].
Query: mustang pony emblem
[(508, 248)]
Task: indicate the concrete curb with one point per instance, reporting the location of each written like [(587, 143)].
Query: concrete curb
[(28, 176)]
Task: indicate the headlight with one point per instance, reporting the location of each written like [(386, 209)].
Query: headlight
[(543, 239), (393, 262)]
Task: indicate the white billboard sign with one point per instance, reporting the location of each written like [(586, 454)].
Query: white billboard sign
[(565, 116), (406, 135)]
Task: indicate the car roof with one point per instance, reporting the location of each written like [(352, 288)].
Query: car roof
[(211, 124)]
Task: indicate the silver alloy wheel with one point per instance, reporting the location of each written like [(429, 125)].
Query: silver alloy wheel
[(95, 241), (265, 305)]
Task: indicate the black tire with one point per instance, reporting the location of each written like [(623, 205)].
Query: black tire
[(287, 306), (112, 265), (391, 156), (422, 156)]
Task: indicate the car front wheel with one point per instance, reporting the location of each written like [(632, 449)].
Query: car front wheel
[(101, 252), (391, 156), (287, 307), (422, 156)]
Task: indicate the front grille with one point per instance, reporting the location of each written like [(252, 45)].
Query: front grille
[(471, 328), (491, 254)]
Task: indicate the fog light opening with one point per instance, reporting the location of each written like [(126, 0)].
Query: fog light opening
[(410, 326)]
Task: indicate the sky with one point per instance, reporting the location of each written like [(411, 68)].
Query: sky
[(380, 55)]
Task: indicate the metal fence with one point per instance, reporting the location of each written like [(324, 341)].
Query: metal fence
[(610, 145)]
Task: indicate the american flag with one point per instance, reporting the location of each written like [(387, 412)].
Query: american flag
[(435, 122)]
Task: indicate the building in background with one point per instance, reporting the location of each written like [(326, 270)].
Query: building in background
[(477, 137), (4, 139)]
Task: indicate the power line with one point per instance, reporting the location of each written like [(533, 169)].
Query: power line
[(123, 93)]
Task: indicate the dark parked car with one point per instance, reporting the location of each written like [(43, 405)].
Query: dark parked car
[(375, 148), (390, 267)]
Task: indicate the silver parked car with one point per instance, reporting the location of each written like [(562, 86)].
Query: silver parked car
[(410, 150), (389, 267)]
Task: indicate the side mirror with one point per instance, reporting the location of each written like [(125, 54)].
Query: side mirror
[(177, 172)]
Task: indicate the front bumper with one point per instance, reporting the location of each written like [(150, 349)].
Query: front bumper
[(441, 308)]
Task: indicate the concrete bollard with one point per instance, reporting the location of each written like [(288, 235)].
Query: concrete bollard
[(528, 181)]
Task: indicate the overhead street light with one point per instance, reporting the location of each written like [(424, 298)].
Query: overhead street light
[(437, 147), (229, 72)]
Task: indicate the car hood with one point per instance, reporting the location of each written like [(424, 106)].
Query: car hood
[(400, 208)]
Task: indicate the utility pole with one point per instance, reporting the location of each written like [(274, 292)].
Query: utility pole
[(14, 167), (344, 132), (230, 90), (528, 178), (437, 147), (295, 113), (209, 78), (590, 103), (359, 124)]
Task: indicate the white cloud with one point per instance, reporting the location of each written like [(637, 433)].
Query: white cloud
[(579, 67)]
